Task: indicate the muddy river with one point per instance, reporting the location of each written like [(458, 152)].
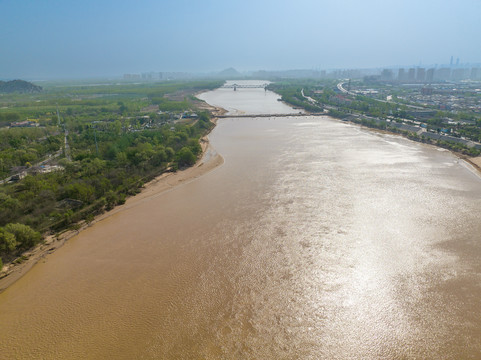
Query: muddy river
[(315, 239)]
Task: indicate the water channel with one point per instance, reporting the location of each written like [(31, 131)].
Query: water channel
[(315, 239)]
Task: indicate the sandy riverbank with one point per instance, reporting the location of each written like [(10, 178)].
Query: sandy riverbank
[(475, 162), (165, 182)]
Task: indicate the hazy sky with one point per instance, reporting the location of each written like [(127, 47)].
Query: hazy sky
[(63, 38)]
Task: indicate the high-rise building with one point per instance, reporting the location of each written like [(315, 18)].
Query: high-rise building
[(131, 76), (401, 75), (420, 75), (386, 75), (458, 74), (411, 74), (475, 74), (443, 74), (430, 75)]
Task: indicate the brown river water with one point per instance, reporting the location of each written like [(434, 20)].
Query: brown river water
[(315, 239)]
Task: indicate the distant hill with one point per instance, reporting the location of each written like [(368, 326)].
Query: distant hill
[(18, 86), (230, 72)]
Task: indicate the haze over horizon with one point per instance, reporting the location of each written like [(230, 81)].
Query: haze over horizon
[(65, 39)]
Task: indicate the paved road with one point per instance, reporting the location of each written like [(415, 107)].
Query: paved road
[(341, 88)]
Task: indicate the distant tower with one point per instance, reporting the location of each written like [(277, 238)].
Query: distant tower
[(457, 62), (451, 62)]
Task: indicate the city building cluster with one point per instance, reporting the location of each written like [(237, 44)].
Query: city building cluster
[(423, 75)]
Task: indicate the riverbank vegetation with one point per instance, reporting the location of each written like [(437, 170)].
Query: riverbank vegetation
[(424, 125), (104, 143)]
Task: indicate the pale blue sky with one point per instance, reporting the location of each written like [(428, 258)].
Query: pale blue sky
[(62, 38)]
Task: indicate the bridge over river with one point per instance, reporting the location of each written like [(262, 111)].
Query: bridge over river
[(264, 115), (237, 86)]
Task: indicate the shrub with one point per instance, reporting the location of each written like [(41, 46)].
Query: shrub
[(24, 234), (8, 242)]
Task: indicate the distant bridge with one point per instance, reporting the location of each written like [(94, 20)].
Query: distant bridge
[(265, 115), (236, 86)]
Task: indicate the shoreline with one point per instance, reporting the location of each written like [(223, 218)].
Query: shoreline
[(474, 161), (209, 161)]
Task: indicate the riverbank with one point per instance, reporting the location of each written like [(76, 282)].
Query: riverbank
[(209, 160), (475, 162), (466, 150)]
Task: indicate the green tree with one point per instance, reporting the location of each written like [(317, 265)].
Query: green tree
[(24, 234), (122, 107), (186, 157), (121, 158), (116, 127), (194, 146), (170, 153), (8, 243)]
